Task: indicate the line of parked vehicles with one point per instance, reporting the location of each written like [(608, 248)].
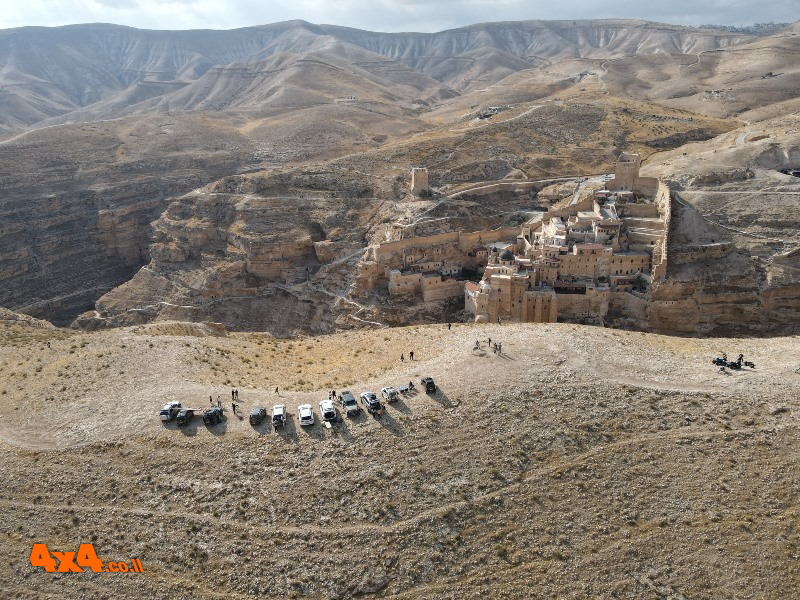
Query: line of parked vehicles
[(369, 401)]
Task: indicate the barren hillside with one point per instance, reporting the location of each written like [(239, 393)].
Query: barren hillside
[(580, 462), (251, 161), (102, 71)]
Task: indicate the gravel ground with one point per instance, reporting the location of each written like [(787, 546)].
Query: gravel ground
[(579, 463)]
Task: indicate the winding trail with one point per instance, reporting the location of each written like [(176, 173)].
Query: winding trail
[(733, 229), (414, 521)]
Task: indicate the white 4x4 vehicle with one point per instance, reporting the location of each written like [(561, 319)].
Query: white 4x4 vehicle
[(306, 414), (327, 410), (169, 411), (389, 394)]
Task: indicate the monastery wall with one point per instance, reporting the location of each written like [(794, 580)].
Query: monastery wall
[(468, 241), (438, 289), (584, 265), (587, 204), (663, 200), (465, 241), (540, 307), (647, 186), (404, 283), (646, 211), (389, 248), (633, 308), (502, 186), (592, 305)]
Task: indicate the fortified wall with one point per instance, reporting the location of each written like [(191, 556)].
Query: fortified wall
[(464, 242), (429, 266), (664, 203)]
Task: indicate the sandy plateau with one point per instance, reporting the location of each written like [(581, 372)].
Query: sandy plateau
[(581, 462)]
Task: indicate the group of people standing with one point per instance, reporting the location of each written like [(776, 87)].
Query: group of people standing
[(234, 399), (497, 348)]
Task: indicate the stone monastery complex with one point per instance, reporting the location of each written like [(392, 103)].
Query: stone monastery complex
[(579, 263)]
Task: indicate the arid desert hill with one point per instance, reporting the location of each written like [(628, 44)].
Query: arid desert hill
[(141, 197), (579, 462), (52, 72)]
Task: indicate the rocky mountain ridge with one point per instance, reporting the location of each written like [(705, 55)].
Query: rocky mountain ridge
[(54, 75)]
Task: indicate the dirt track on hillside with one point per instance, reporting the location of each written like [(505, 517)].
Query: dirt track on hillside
[(580, 462)]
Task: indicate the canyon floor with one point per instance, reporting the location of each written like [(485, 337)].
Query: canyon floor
[(582, 462)]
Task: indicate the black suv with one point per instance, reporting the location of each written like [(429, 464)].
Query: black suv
[(349, 404), (212, 416), (430, 387), (185, 416), (257, 415)]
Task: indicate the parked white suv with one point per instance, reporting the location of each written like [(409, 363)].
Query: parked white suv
[(306, 414), (327, 410), (169, 411), (390, 394)]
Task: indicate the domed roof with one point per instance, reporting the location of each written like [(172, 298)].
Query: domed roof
[(506, 255)]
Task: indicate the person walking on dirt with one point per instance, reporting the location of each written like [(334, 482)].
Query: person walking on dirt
[(411, 355), (233, 406), (211, 400), (233, 394), (402, 358)]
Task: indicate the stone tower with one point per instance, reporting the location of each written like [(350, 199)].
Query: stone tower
[(419, 180), (626, 172)]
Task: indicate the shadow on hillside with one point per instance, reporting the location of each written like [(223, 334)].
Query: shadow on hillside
[(388, 422), (190, 429), (443, 399), (341, 430), (263, 428), (360, 418), (400, 406), (315, 430), (288, 432), (219, 429)]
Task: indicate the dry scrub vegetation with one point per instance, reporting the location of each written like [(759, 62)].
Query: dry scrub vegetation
[(582, 462)]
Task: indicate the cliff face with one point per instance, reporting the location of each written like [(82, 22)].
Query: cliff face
[(254, 263), (64, 251), (730, 297), (76, 204)]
